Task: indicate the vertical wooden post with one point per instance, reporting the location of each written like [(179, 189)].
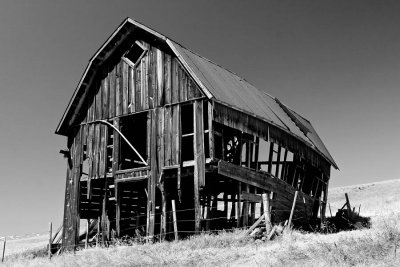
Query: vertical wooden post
[(226, 205), (210, 129), (71, 206), (330, 211), (246, 208), (267, 214), (284, 170), (87, 233), (271, 154), (207, 212), (325, 200), (278, 162), (163, 215), (4, 248), (233, 206), (348, 205), (153, 174), (252, 207), (98, 232), (238, 204), (174, 219), (199, 159), (292, 211), (117, 209), (50, 238)]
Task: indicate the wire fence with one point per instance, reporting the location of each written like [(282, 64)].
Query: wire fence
[(136, 217)]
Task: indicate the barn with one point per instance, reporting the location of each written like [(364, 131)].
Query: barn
[(154, 127)]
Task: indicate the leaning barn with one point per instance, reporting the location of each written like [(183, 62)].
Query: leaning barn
[(151, 122)]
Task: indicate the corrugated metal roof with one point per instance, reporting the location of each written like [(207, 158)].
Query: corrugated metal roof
[(228, 88)]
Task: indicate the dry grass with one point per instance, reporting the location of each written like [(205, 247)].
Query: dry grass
[(376, 199), (369, 247)]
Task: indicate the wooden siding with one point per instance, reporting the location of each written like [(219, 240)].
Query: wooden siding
[(158, 79)]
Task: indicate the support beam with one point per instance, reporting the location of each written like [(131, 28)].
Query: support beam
[(238, 204), (199, 159), (245, 212), (267, 214), (151, 185), (71, 221)]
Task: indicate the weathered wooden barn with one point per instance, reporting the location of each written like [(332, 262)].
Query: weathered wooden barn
[(151, 121)]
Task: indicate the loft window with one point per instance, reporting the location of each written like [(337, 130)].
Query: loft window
[(134, 54), (232, 145), (187, 132), (134, 128)]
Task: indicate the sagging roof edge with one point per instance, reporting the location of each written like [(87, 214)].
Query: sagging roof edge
[(313, 147)]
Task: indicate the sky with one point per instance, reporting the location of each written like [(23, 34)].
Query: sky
[(335, 62)]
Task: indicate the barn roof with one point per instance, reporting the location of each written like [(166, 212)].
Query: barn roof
[(216, 82)]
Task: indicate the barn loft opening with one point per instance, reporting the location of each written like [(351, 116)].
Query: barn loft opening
[(135, 54), (134, 128), (187, 132)]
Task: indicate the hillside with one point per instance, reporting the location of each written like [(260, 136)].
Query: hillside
[(368, 247), (376, 199)]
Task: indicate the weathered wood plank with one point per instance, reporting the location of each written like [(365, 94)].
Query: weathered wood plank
[(138, 87), (251, 197), (167, 79), (191, 89), (153, 177), (125, 87), (89, 154), (271, 154), (175, 82), (278, 161), (150, 77), (160, 137), (118, 90), (258, 179), (267, 213), (105, 97), (111, 78), (245, 206), (96, 158), (199, 160), (116, 147), (98, 111), (167, 136), (131, 85), (238, 204), (145, 81), (209, 106), (117, 209), (160, 77)]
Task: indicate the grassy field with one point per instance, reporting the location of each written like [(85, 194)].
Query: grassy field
[(369, 247)]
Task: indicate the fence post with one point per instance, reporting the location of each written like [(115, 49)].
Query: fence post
[(348, 205), (267, 214), (174, 219), (292, 211), (87, 233), (4, 248), (50, 238)]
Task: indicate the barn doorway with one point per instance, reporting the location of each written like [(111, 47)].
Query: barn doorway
[(131, 208)]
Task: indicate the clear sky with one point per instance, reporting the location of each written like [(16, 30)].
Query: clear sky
[(335, 62)]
